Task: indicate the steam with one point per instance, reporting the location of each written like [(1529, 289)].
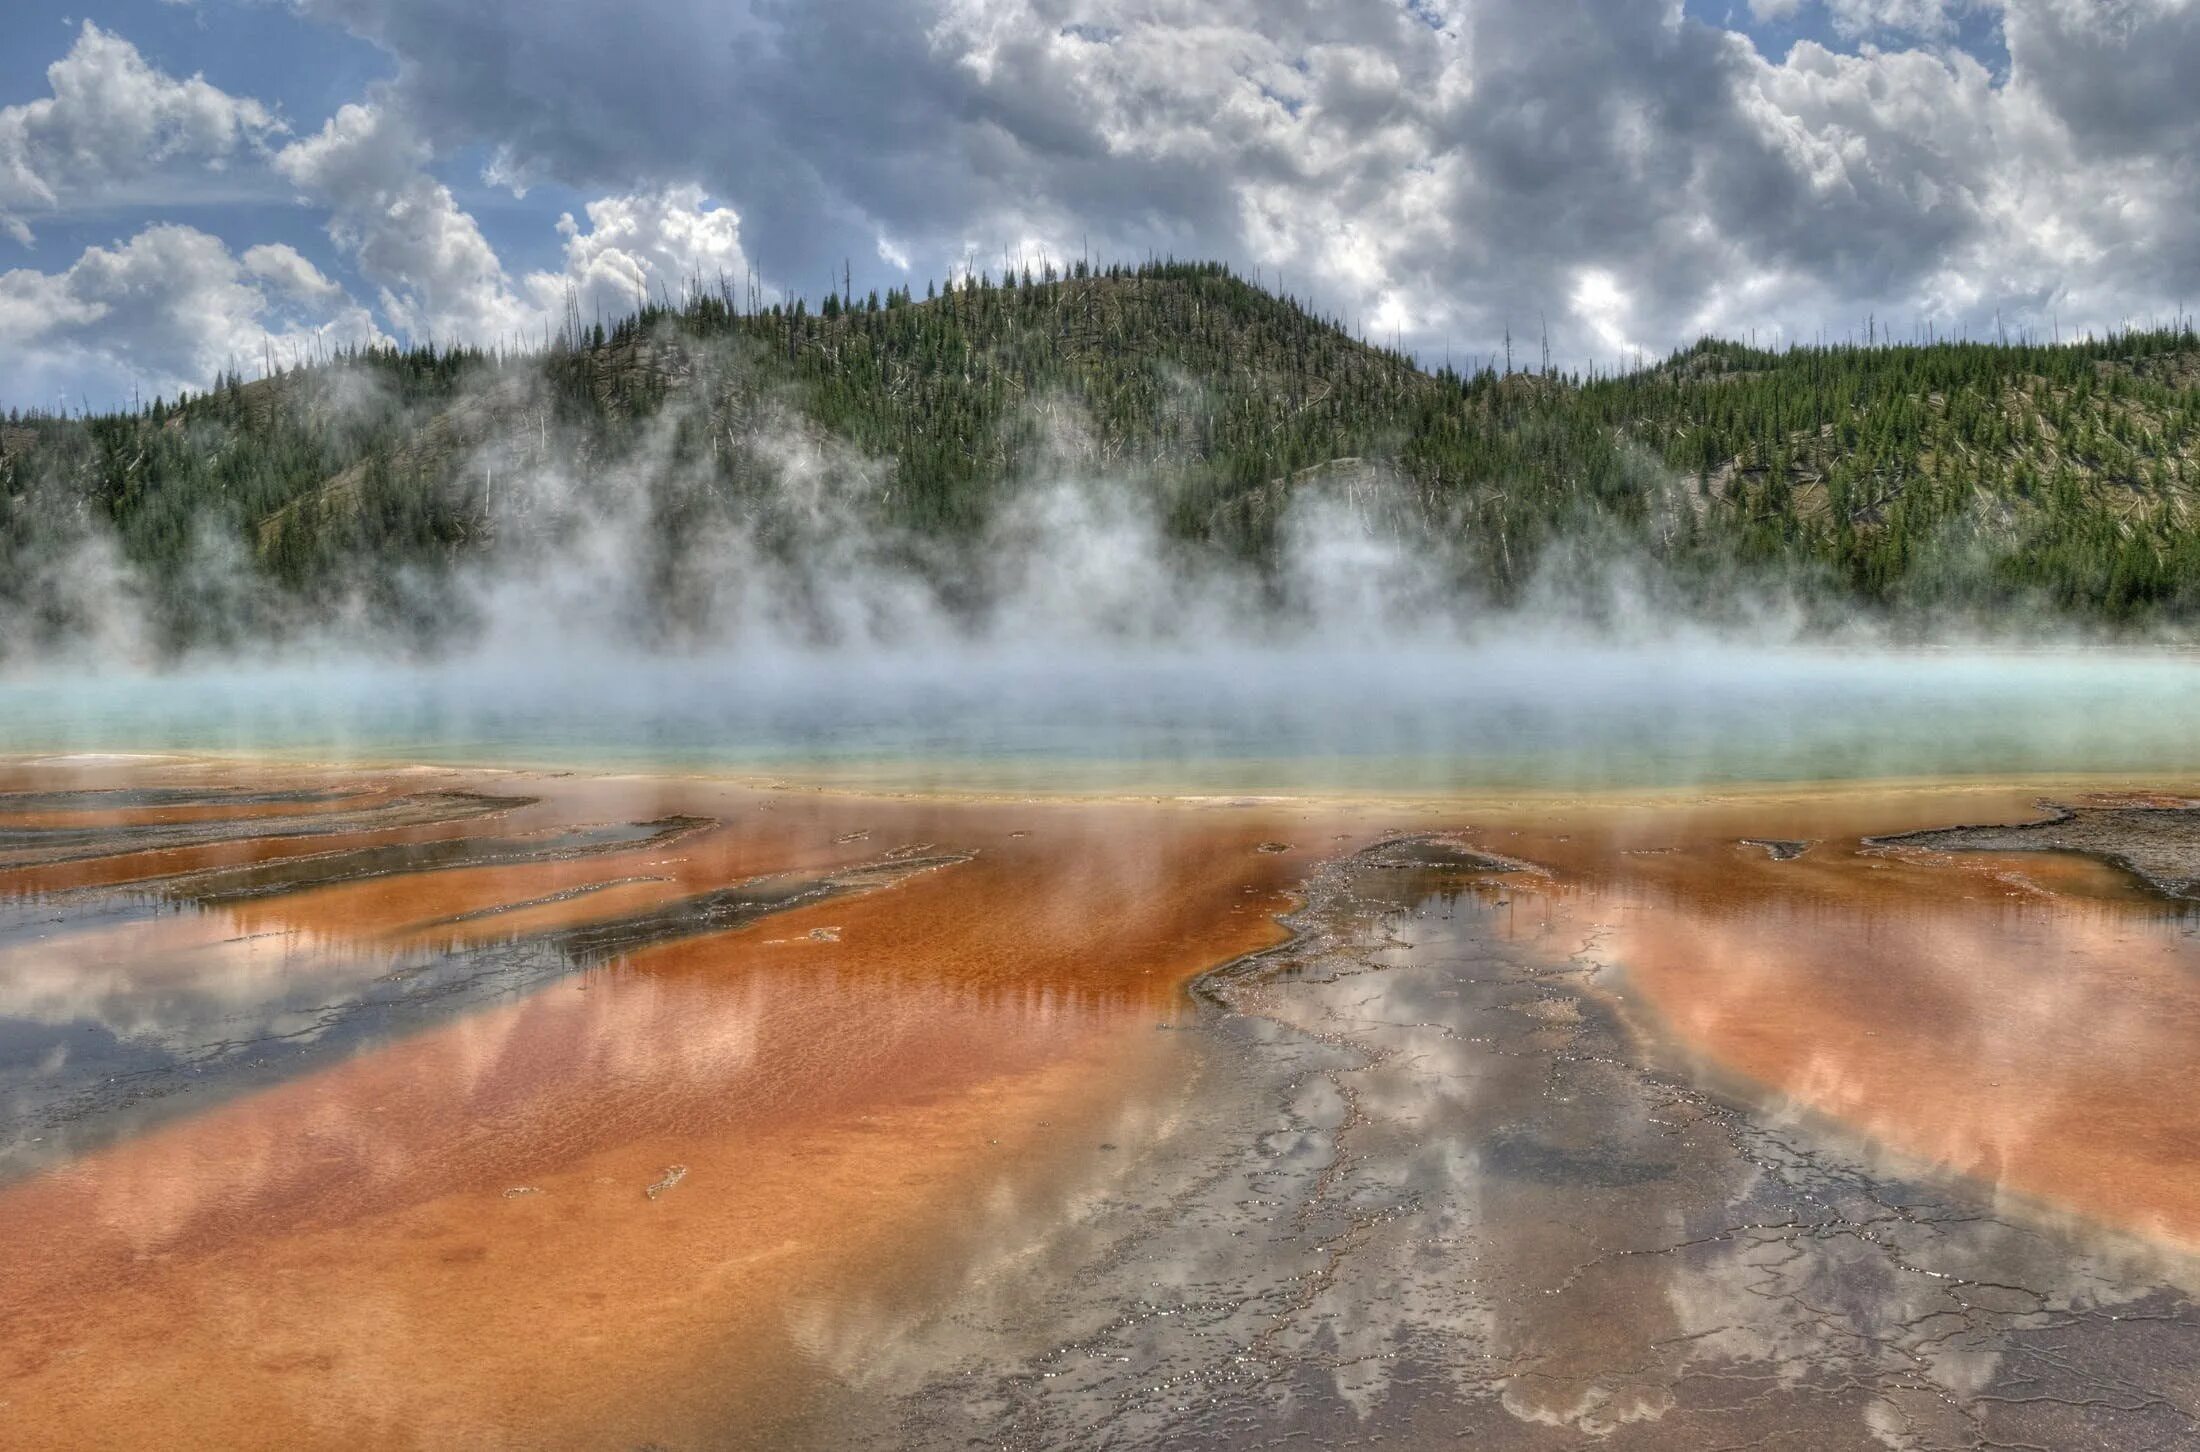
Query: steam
[(655, 606)]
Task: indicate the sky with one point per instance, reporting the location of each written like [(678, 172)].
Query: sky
[(188, 186)]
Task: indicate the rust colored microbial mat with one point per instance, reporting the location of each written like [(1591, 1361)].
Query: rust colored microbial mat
[(473, 1112), (440, 1109)]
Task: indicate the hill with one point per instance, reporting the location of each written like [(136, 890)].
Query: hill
[(1963, 477)]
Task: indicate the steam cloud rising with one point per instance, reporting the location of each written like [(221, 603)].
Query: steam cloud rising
[(637, 607)]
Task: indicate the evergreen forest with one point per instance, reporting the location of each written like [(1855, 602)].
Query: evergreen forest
[(1974, 480)]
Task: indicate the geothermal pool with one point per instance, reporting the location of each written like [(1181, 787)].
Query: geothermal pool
[(1081, 718), (1646, 1092)]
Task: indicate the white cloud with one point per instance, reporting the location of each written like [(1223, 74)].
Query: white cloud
[(652, 245), (1439, 180), (173, 307), (440, 280), (1856, 18), (285, 269), (1599, 301), (168, 309), (112, 120), (1909, 17)]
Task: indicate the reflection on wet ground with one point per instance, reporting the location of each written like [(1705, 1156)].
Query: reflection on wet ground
[(30, 834), (616, 1112), (69, 1082), (2158, 844), (551, 1148), (267, 879), (1430, 1189)]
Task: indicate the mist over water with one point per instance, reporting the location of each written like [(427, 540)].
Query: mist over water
[(1532, 713), (1073, 646)]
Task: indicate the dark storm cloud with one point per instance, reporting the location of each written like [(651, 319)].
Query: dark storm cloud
[(2123, 75)]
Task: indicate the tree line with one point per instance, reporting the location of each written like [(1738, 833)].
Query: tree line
[(1907, 480)]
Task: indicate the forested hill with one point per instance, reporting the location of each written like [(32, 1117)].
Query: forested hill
[(1952, 478)]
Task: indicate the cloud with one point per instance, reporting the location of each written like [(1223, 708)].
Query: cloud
[(1855, 18), (2117, 74), (650, 245), (286, 270), (439, 279), (1439, 171), (1912, 17), (169, 309), (1598, 301), (112, 120), (173, 306), (1436, 173)]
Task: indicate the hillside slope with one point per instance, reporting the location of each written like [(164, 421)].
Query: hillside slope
[(1955, 476)]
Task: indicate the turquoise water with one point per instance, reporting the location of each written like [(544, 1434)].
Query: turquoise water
[(1526, 715)]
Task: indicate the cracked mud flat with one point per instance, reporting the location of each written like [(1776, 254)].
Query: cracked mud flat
[(1429, 1190)]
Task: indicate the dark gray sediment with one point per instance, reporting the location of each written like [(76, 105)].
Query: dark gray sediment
[(2158, 845), (123, 1063), (1426, 1189), (22, 846), (1779, 849)]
